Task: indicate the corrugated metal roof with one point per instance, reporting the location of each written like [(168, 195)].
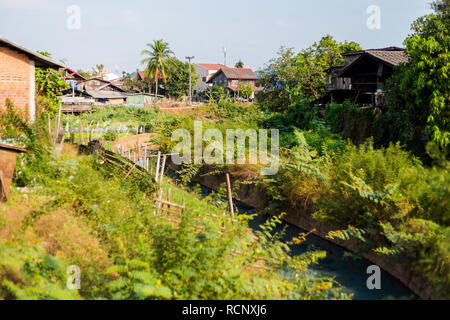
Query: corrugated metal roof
[(106, 94)]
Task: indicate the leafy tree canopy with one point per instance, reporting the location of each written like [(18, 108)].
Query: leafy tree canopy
[(239, 64), (291, 77), (177, 84), (419, 92), (48, 81)]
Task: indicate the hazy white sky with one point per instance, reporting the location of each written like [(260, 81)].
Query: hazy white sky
[(115, 32)]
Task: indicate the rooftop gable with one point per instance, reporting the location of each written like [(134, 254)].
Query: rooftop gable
[(236, 74), (391, 56)]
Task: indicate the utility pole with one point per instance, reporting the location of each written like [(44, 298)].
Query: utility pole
[(190, 81), (225, 56)]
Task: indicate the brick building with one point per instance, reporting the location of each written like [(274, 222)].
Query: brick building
[(17, 76)]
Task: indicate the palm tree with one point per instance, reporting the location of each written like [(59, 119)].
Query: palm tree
[(99, 70), (157, 61)]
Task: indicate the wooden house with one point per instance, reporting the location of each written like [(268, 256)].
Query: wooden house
[(231, 78), (361, 80)]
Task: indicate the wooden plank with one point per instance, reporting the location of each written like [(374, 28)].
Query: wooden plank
[(169, 204), (157, 167)]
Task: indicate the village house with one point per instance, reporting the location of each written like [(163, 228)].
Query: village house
[(362, 78), (96, 90), (205, 71), (17, 76), (71, 76), (231, 78)]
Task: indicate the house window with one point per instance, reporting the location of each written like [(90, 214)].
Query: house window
[(204, 79)]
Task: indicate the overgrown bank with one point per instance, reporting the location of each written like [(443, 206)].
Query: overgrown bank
[(384, 199), (75, 210)]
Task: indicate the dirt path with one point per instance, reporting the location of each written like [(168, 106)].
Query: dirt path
[(134, 142)]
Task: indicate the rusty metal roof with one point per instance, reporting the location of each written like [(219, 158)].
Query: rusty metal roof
[(236, 74)]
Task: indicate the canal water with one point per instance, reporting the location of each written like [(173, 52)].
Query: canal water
[(349, 271)]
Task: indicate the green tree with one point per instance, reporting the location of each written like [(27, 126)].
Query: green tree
[(245, 90), (239, 64), (311, 63), (132, 82), (418, 94), (99, 71), (177, 84), (293, 77), (48, 81), (218, 94), (83, 73), (157, 61)]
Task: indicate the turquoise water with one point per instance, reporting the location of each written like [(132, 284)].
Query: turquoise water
[(351, 273)]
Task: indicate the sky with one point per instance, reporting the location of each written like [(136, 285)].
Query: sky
[(114, 33)]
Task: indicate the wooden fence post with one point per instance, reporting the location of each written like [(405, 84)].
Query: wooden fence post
[(168, 199), (162, 170), (230, 195), (157, 167), (81, 133), (49, 126)]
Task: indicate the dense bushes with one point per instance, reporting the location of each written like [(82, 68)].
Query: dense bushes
[(350, 121), (28, 273)]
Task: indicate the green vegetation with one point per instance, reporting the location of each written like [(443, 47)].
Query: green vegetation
[(292, 77), (419, 94), (384, 197), (77, 210), (390, 192), (239, 64), (245, 90), (48, 87), (177, 84)]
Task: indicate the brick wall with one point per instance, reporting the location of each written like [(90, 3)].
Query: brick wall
[(15, 72)]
